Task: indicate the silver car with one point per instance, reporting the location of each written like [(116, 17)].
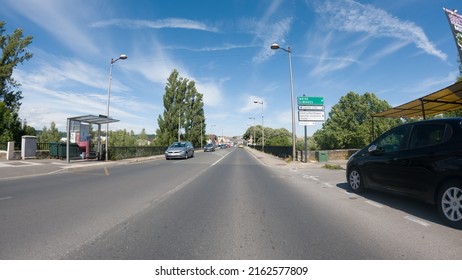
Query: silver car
[(182, 149)]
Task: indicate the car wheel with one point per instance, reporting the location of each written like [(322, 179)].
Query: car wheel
[(450, 203), (355, 180)]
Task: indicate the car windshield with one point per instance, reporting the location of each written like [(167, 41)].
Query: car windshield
[(177, 145)]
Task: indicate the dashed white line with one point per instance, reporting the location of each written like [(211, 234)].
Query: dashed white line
[(5, 198), (416, 220), (378, 205)]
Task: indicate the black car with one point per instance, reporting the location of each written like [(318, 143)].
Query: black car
[(420, 159)]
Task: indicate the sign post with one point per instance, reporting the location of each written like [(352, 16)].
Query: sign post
[(310, 110)]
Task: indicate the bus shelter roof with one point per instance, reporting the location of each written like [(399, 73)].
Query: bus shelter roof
[(94, 119), (444, 100)]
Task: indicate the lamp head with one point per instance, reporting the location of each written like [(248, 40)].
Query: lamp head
[(275, 46), (123, 56)]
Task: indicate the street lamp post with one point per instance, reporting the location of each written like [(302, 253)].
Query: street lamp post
[(275, 47), (253, 142), (262, 127), (121, 57)]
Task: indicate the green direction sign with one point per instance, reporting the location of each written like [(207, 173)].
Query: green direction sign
[(310, 100)]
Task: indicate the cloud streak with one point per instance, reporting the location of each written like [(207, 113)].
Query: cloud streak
[(351, 16), (156, 24)]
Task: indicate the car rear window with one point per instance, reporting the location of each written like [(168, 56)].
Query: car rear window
[(427, 134)]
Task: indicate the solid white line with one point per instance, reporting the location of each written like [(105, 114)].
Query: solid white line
[(416, 220)]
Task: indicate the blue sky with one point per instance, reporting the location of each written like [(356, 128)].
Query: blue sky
[(399, 50)]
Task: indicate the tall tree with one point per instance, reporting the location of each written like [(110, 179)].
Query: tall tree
[(13, 52), (349, 123), (183, 110)]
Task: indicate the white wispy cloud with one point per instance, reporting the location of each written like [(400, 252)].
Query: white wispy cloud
[(156, 24), (59, 18), (352, 16)]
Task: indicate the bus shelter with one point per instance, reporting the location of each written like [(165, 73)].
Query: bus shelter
[(78, 131)]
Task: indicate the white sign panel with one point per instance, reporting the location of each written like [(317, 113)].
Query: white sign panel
[(310, 107), (306, 123), (311, 116)]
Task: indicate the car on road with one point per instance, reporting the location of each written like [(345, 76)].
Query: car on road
[(209, 147), (182, 149), (421, 159)]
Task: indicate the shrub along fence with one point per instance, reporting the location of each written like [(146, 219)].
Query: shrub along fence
[(118, 153), (286, 152)]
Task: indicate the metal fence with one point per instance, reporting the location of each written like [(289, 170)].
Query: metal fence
[(17, 146), (118, 153), (279, 151)]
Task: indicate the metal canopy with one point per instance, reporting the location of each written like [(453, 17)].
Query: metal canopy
[(94, 119), (444, 100), (91, 119)]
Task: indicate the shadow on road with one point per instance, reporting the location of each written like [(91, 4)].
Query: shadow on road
[(412, 207)]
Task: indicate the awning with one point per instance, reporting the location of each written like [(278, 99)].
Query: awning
[(94, 119), (441, 101)]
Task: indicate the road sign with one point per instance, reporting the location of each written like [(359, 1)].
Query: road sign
[(310, 100), (306, 123), (311, 116), (310, 107)]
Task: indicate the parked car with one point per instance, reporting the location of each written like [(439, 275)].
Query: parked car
[(209, 147), (179, 150), (422, 160)]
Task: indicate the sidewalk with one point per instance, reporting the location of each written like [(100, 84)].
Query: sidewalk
[(12, 169), (271, 160)]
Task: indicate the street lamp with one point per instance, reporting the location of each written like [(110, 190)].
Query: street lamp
[(262, 127), (121, 57), (275, 47), (253, 142)]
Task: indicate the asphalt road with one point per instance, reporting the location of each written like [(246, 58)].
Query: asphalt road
[(219, 205)]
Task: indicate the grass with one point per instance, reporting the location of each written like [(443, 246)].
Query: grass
[(332, 166)]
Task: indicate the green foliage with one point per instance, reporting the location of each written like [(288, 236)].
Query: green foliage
[(10, 125), (312, 145), (273, 137), (122, 138), (49, 135), (183, 111), (349, 124), (13, 52)]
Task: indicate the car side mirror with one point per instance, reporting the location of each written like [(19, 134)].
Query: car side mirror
[(372, 149)]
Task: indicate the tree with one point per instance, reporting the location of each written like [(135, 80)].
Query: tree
[(122, 138), (349, 123), (12, 53), (183, 109), (10, 125), (49, 135)]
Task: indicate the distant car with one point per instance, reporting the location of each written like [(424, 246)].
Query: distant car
[(422, 160), (241, 145), (209, 147), (179, 150)]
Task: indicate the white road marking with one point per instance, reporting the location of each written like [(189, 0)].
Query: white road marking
[(378, 205), (416, 220), (5, 198)]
